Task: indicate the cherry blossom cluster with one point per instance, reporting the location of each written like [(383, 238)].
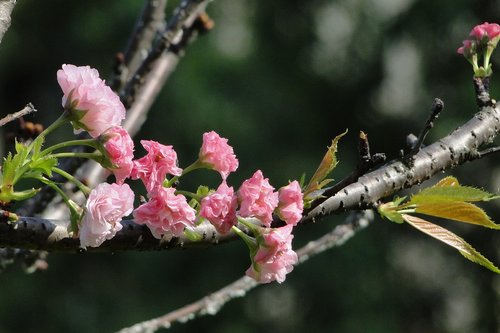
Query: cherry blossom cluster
[(168, 212), (483, 40)]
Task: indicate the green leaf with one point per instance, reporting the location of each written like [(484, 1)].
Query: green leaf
[(450, 239), (457, 211), (448, 189), (44, 164), (326, 166)]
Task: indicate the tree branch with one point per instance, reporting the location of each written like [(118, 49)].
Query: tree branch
[(29, 108), (211, 304), (457, 148), (6, 8)]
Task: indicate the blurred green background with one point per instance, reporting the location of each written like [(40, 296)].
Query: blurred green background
[(279, 79)]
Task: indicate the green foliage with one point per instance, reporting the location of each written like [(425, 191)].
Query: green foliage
[(450, 239), (328, 163), (450, 200)]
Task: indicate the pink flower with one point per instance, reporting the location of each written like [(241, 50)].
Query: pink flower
[(291, 203), (485, 30), (216, 152), (106, 206), (467, 48), (153, 168), (275, 257), (166, 213), (220, 208), (93, 105), (119, 149), (257, 198)]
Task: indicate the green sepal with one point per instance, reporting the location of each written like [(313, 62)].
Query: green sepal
[(389, 210), (192, 235)]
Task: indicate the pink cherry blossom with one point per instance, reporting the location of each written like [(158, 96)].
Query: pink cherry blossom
[(291, 203), (106, 206), (153, 168), (220, 208), (275, 257), (257, 198), (94, 106), (166, 213), (119, 148), (467, 47), (216, 152), (485, 30)]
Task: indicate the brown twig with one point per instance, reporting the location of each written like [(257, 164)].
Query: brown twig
[(29, 108)]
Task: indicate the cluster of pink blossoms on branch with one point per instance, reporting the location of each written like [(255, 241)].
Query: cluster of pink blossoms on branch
[(90, 105), (483, 40)]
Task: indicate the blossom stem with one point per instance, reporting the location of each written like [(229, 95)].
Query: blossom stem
[(82, 187), (190, 194), (74, 214), (249, 241), (96, 156), (64, 118), (83, 142)]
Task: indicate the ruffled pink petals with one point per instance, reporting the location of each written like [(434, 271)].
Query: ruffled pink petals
[(119, 149), (166, 213), (291, 203), (220, 208), (93, 106), (274, 257), (217, 153), (257, 199), (159, 161), (106, 206)]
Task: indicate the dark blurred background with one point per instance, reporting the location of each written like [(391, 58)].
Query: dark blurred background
[(279, 79)]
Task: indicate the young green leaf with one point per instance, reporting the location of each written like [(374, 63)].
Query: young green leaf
[(457, 211), (448, 189), (326, 166), (450, 239)]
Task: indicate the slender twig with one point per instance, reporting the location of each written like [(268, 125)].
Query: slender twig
[(6, 8), (437, 107), (488, 151), (29, 108), (211, 304)]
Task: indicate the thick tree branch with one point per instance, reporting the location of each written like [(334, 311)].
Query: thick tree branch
[(457, 148), (211, 304)]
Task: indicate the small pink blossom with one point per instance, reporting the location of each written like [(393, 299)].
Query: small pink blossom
[(153, 168), (467, 48), (216, 152), (485, 30), (291, 203), (166, 213), (257, 198), (106, 206), (119, 148), (94, 106), (275, 257), (220, 208)]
